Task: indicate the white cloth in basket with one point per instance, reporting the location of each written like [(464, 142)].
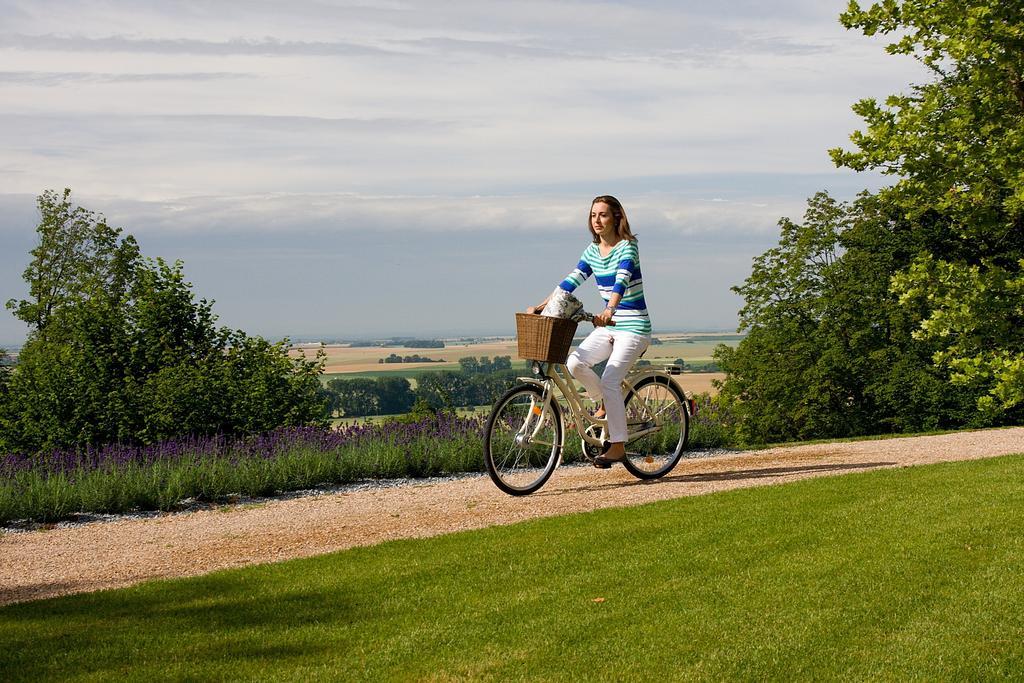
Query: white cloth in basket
[(562, 304)]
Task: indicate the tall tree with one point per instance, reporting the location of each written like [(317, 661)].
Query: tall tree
[(829, 350), (120, 350), (956, 147), (78, 258)]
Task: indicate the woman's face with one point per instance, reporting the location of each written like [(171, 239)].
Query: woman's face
[(602, 220)]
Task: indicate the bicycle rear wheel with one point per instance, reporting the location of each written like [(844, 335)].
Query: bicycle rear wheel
[(522, 443), (656, 402)]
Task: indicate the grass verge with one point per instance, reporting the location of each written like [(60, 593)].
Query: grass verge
[(120, 479), (899, 574), (159, 477)]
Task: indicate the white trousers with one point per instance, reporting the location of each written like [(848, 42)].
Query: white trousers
[(621, 349)]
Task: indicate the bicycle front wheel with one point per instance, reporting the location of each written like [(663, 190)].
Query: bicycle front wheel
[(522, 441), (656, 403)]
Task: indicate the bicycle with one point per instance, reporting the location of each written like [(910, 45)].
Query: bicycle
[(525, 433)]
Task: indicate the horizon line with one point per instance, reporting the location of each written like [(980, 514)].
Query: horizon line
[(325, 338)]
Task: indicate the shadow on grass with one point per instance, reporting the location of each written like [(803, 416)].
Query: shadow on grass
[(36, 591), (730, 475), (214, 618), (768, 472)]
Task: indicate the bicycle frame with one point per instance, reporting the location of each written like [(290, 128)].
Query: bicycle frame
[(558, 375)]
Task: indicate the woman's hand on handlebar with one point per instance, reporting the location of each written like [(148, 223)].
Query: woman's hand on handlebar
[(604, 318), (532, 310)]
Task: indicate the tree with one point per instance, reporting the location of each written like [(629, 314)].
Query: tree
[(956, 145), (863, 316), (771, 373), (484, 365), (64, 389), (380, 396), (79, 257), (829, 350), (444, 389), (485, 389), (395, 395), (119, 350), (470, 365), (355, 397)]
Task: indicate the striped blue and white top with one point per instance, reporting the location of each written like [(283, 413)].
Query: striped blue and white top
[(619, 271)]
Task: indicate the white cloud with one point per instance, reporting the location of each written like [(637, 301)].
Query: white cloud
[(257, 119), (627, 90), (311, 216)]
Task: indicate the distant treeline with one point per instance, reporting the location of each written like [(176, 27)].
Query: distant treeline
[(479, 382), (415, 358), (484, 365), (404, 343), (424, 344), (580, 337)]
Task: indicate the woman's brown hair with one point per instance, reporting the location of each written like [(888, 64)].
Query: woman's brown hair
[(621, 222)]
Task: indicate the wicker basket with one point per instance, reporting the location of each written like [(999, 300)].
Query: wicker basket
[(544, 338)]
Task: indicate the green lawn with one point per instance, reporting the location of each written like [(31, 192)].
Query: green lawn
[(911, 573)]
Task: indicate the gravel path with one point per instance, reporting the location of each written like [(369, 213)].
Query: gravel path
[(86, 557)]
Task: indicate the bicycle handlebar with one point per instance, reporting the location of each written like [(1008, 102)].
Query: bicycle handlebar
[(590, 319), (579, 316)]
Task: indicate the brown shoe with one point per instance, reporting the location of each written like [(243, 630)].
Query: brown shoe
[(604, 462)]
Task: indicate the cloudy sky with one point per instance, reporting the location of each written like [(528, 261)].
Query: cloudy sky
[(362, 168)]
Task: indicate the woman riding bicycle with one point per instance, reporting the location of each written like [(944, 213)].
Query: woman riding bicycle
[(614, 260)]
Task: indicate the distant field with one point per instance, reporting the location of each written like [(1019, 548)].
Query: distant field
[(699, 382), (365, 361), (361, 359)]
